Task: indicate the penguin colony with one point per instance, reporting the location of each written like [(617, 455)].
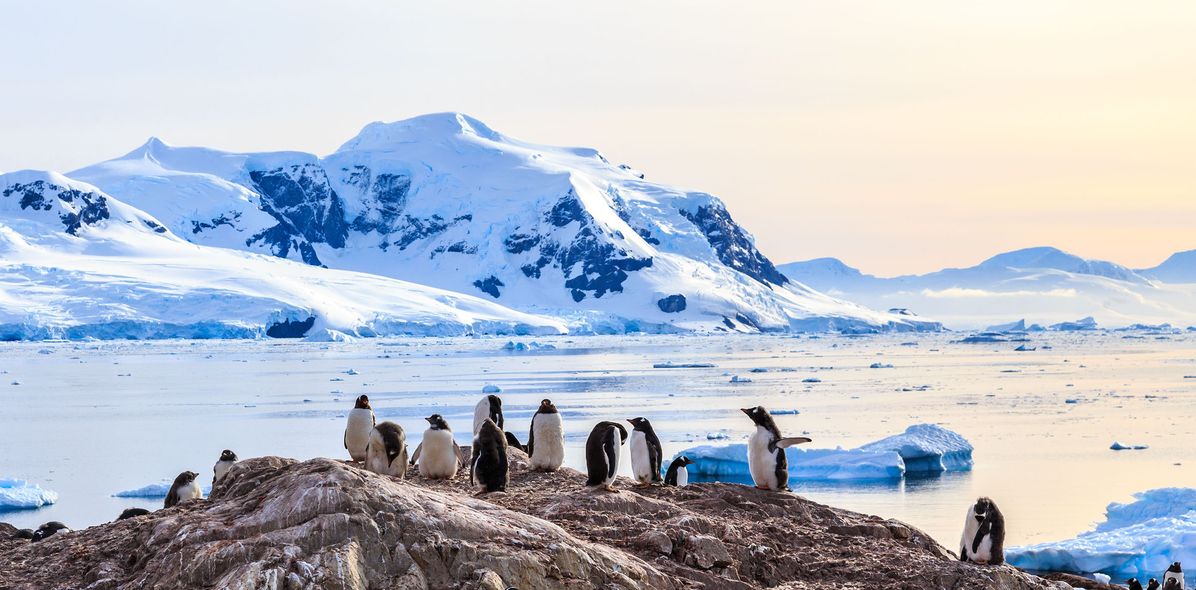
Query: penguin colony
[(382, 448)]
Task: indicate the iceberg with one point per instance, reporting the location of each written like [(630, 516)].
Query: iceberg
[(1139, 539), (1087, 323), (18, 494), (922, 448), (153, 490), (1118, 446), (1018, 326)]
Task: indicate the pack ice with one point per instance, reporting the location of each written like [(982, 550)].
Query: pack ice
[(18, 494), (1139, 539), (922, 448)]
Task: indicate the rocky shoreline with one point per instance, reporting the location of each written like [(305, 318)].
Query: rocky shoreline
[(282, 524)]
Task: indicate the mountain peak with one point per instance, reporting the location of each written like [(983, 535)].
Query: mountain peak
[(1047, 257), (381, 135)]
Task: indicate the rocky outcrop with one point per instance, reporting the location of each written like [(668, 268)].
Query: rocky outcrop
[(278, 523)]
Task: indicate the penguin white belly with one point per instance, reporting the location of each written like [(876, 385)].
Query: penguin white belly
[(480, 413), (762, 463), (548, 454), (1179, 579), (191, 491), (438, 459), (357, 432), (377, 460), (984, 553), (614, 464), (682, 477), (970, 526), (221, 469), (641, 462)]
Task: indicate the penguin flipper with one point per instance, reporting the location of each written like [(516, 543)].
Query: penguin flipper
[(531, 435), (784, 443), (415, 455)]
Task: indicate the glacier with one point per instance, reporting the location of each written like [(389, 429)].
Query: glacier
[(18, 494), (922, 448), (1139, 538), (153, 490), (446, 201)]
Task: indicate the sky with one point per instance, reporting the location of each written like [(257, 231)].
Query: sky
[(900, 137)]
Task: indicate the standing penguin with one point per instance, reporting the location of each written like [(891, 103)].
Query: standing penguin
[(1152, 584), (1133, 584), (602, 454), (184, 488), (546, 441), (438, 455), (678, 475), (386, 451), (983, 539), (489, 467), (1173, 578), (227, 458), (645, 452), (360, 425), (490, 407), (766, 451)]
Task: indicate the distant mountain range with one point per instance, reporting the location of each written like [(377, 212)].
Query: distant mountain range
[(1043, 285), (433, 225)]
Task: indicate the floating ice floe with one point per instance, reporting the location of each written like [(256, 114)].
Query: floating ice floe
[(522, 347), (811, 380), (18, 494), (922, 448), (880, 366), (1138, 539), (153, 490), (491, 388), (1117, 446), (738, 379), (683, 366)]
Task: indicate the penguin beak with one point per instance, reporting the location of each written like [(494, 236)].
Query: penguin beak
[(747, 411), (429, 419)]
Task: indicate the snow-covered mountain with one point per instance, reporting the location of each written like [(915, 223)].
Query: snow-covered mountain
[(77, 263), (1043, 285), (444, 200)]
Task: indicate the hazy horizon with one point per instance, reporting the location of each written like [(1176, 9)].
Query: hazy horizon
[(899, 139)]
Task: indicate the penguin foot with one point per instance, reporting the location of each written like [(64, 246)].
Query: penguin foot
[(611, 489), (762, 487)]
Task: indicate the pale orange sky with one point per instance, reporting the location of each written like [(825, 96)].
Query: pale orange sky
[(898, 136)]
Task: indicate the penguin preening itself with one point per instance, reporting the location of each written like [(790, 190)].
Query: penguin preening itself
[(220, 469), (386, 451), (678, 475), (132, 513), (1173, 578), (488, 467), (766, 451), (602, 454), (49, 529), (546, 440), (184, 488), (438, 455), (645, 452), (490, 407), (360, 425), (983, 539)]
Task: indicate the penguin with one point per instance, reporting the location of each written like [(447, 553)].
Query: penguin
[(1133, 584), (678, 475), (489, 407), (438, 455), (546, 440), (1152, 584), (1173, 578), (360, 425), (513, 441), (184, 488), (488, 467), (50, 528), (983, 539), (386, 451), (132, 513), (766, 451), (24, 534), (645, 452), (227, 458), (602, 454)]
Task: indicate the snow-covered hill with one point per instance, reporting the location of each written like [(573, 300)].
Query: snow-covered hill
[(77, 263), (1043, 285), (446, 201)]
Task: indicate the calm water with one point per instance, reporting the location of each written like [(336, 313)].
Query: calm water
[(91, 419)]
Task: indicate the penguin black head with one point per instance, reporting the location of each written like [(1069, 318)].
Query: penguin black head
[(489, 431), (1175, 567), (48, 529), (227, 455), (546, 407), (1133, 584), (185, 478), (686, 460), (363, 403), (1153, 584), (495, 403), (513, 441), (981, 509), (132, 513), (23, 534), (640, 423), (758, 414), (436, 422)]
